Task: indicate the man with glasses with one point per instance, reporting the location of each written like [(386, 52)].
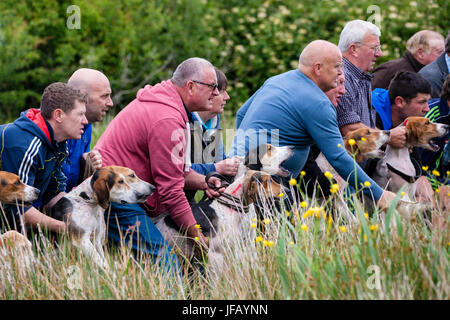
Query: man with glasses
[(359, 43), (150, 136)]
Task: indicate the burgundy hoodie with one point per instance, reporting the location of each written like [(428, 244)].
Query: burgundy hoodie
[(149, 137)]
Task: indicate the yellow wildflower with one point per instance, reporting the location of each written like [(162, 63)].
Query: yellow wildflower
[(437, 190), (334, 188), (266, 221), (339, 145), (281, 195), (374, 227), (343, 229), (253, 226), (288, 213), (367, 184), (302, 173), (197, 239), (425, 168), (328, 174), (303, 204), (258, 239), (436, 173), (198, 226), (304, 227), (270, 243), (351, 142), (403, 193), (292, 182), (363, 139), (265, 243), (307, 214), (366, 215)]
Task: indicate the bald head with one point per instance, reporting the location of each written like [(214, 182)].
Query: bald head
[(96, 85), (321, 61), (317, 52), (84, 78)]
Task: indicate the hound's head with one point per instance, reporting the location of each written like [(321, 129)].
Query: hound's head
[(367, 143), (420, 132), (269, 158), (119, 184), (258, 184), (12, 189)]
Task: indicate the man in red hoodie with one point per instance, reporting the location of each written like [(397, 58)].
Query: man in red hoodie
[(150, 136)]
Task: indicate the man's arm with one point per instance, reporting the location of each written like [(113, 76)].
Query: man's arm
[(350, 127), (34, 217)]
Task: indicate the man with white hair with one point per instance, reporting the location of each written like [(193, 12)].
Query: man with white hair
[(96, 86), (151, 136), (421, 49), (293, 109), (359, 43)]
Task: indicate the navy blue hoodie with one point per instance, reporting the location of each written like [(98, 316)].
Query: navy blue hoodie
[(28, 149)]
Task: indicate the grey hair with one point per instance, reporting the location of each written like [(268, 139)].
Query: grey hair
[(421, 39), (190, 69), (355, 31)]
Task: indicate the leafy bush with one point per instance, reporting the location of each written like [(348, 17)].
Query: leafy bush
[(136, 42)]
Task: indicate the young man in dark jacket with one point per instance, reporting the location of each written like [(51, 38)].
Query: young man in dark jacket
[(34, 147)]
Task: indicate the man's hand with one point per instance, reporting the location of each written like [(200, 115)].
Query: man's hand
[(398, 137), (96, 159), (211, 193), (202, 242), (228, 166), (386, 200)]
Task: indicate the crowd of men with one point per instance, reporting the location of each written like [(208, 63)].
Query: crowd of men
[(330, 94)]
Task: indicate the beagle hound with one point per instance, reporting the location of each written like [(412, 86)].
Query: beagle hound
[(397, 169), (83, 208), (266, 158), (222, 219), (367, 145), (13, 190)]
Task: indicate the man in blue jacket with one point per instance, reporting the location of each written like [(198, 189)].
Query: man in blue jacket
[(34, 147), (96, 86), (292, 109), (407, 96)]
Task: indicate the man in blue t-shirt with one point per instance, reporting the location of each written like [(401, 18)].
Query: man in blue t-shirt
[(292, 109), (97, 88)]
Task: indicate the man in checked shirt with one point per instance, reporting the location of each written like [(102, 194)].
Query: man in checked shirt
[(359, 43)]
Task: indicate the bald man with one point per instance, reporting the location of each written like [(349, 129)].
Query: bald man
[(292, 109), (96, 86)]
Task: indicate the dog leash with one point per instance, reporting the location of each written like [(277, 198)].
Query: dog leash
[(236, 202)]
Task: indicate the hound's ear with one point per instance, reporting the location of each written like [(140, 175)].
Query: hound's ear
[(102, 182), (412, 135), (250, 186)]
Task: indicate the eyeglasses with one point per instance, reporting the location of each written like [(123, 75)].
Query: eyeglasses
[(213, 86), (375, 48)]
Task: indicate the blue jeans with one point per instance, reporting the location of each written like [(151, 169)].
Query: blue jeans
[(130, 222)]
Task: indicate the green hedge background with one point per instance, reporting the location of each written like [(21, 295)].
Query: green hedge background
[(136, 42)]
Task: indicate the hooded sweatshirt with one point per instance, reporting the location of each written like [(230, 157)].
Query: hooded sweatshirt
[(150, 137), (28, 149)]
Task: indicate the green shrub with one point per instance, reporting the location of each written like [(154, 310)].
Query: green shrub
[(136, 42)]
